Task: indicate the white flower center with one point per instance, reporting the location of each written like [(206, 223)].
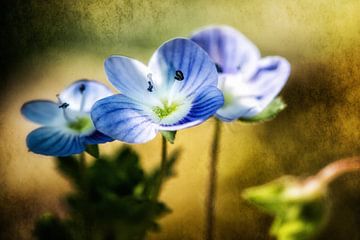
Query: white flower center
[(170, 105), (77, 121)]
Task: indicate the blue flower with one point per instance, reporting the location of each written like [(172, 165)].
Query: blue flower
[(177, 90), (249, 83), (66, 125)]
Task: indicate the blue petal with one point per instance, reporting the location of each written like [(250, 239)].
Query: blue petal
[(121, 118), (183, 59), (253, 96), (228, 48), (271, 76), (53, 141), (237, 109), (42, 112), (82, 94), (129, 76), (96, 138), (204, 106)]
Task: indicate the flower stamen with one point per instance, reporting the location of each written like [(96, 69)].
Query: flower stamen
[(150, 88), (150, 82), (64, 106), (165, 111), (81, 124), (179, 75), (228, 99), (82, 89)]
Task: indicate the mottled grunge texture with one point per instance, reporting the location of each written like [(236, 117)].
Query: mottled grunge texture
[(48, 44)]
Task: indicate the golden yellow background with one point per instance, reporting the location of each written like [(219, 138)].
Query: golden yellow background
[(53, 43)]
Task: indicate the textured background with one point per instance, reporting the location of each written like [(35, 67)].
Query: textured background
[(45, 45)]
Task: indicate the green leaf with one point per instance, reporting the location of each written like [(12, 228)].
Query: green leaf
[(116, 177), (70, 167), (269, 113), (51, 227), (169, 136), (93, 150), (112, 198)]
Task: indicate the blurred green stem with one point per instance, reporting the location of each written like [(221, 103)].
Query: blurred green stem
[(335, 170), (162, 168), (210, 201), (315, 186), (82, 163), (82, 168), (87, 222)]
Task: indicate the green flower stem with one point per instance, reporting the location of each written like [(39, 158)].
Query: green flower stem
[(82, 164), (88, 235), (162, 168), (210, 201)]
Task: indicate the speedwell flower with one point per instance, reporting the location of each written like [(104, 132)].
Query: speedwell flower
[(66, 125), (249, 83), (177, 90)]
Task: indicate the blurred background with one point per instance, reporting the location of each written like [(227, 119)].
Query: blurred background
[(45, 45)]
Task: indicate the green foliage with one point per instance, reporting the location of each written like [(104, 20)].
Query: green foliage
[(296, 218), (299, 221), (70, 168), (112, 199), (169, 136), (269, 113), (51, 227)]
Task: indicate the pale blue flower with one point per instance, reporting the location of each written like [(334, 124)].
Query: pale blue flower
[(177, 90), (249, 83), (66, 125)]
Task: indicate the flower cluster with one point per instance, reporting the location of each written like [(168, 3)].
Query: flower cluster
[(216, 72)]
